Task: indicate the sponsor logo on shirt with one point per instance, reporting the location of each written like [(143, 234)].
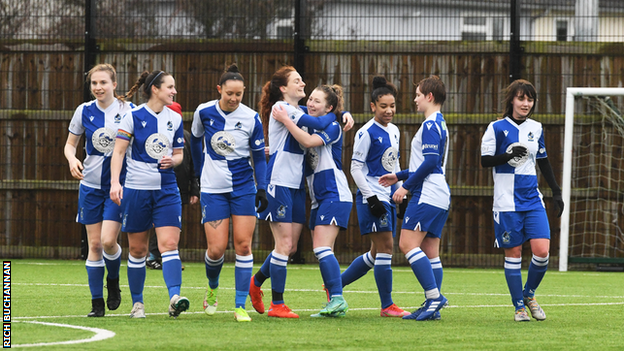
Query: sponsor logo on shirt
[(222, 143), (103, 140), (430, 146), (389, 158), (157, 145)]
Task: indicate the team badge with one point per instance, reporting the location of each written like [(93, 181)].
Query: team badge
[(238, 125), (531, 137), (506, 238), (203, 213), (169, 126), (389, 158), (157, 145), (222, 143), (118, 118), (281, 211), (384, 220), (313, 158), (103, 140)]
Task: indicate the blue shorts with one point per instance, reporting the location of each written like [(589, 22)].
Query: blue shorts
[(331, 213), (222, 206), (95, 206), (371, 224), (425, 218), (514, 228), (286, 205), (143, 209)]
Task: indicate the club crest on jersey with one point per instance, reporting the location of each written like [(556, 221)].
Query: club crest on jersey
[(531, 137), (389, 158), (312, 158), (222, 143), (157, 145), (117, 118), (281, 211), (103, 140), (238, 125), (505, 132), (169, 126)]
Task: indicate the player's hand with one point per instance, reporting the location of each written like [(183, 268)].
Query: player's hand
[(517, 151), (261, 200), (558, 203), (75, 168), (116, 193), (376, 207), (166, 162), (401, 209), (399, 195), (348, 121), (193, 200), (388, 179), (279, 113)]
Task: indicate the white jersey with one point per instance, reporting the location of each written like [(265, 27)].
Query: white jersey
[(377, 147), (100, 129), (431, 139), (326, 180), (285, 166), (151, 137), (228, 138), (515, 188)]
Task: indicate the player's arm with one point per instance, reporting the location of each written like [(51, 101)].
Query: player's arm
[(119, 152), (549, 175), (488, 150), (75, 166), (306, 140)]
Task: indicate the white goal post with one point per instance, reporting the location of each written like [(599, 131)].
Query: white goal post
[(571, 94)]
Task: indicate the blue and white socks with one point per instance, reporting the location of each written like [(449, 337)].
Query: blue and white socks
[(172, 271), (537, 270), (278, 276), (358, 268), (513, 275), (213, 270), (95, 274), (242, 275), (113, 262), (136, 277), (330, 270), (421, 266), (383, 278)]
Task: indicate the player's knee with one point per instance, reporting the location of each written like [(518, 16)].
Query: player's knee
[(215, 253), (109, 245)]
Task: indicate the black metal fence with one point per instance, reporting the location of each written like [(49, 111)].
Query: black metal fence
[(476, 47)]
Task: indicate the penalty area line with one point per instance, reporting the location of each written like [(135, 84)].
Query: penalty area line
[(100, 334)]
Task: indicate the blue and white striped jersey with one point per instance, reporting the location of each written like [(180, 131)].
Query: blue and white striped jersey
[(326, 180), (515, 188), (285, 154), (100, 129), (151, 137), (228, 138), (431, 139), (377, 147)]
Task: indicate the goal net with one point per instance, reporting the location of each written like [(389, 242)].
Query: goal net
[(593, 178)]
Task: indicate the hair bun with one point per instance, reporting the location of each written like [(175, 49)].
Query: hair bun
[(379, 82), (233, 68)]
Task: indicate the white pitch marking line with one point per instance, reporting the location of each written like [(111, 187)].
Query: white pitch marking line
[(100, 334)]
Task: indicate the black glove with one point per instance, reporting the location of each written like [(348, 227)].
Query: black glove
[(517, 151), (558, 202), (401, 209), (376, 207), (261, 200), (195, 187)]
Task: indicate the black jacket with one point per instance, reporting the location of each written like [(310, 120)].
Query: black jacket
[(187, 182)]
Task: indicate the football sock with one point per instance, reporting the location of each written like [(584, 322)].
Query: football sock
[(383, 278), (95, 274), (436, 265), (357, 269), (242, 275), (278, 276), (537, 269), (136, 277), (513, 275), (172, 271), (330, 270), (213, 270), (265, 271), (113, 262), (422, 270)]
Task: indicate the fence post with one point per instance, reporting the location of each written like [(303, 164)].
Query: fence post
[(90, 46), (299, 59), (515, 50)]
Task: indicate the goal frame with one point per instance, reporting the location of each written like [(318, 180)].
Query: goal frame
[(571, 94)]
